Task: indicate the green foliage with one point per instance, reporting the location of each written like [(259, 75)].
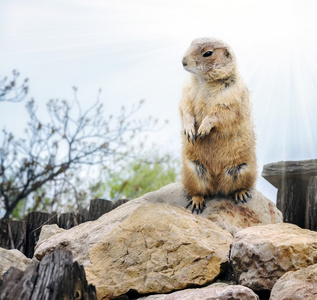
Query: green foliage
[(136, 179)]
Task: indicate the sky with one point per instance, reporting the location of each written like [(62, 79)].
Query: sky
[(132, 50)]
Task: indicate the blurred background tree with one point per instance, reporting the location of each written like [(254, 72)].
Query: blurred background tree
[(10, 90), (48, 169), (137, 177)]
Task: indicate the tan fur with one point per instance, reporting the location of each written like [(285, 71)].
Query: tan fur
[(218, 138)]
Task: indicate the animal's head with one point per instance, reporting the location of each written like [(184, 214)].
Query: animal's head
[(209, 58)]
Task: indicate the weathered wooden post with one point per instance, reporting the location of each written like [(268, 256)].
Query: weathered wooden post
[(296, 182), (35, 222), (12, 234), (98, 207), (56, 277), (69, 220), (312, 203)]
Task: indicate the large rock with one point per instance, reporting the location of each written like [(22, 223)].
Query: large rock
[(12, 258), (261, 255), (216, 291), (259, 210), (157, 249), (223, 211), (301, 284), (47, 231), (81, 238)]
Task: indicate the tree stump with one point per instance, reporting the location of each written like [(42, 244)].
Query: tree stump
[(35, 221), (55, 277), (296, 182)]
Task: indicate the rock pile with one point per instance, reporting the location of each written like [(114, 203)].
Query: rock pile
[(152, 245)]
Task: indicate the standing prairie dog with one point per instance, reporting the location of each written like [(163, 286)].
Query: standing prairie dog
[(218, 138)]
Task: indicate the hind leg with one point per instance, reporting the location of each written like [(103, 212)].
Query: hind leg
[(197, 204), (197, 183), (241, 196), (237, 181)]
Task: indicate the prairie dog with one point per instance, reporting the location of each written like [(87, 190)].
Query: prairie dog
[(218, 148)]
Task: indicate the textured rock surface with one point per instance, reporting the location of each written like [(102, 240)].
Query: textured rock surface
[(81, 238), (47, 231), (158, 248), (222, 212), (216, 291), (12, 258), (258, 211), (301, 284), (261, 255)]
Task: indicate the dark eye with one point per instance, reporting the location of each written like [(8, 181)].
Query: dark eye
[(207, 54)]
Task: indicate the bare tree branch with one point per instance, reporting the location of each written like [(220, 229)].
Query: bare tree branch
[(10, 91), (52, 151)]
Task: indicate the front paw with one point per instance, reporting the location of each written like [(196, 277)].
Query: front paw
[(190, 134), (205, 128)]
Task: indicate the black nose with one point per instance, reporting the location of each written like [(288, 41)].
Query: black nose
[(184, 62)]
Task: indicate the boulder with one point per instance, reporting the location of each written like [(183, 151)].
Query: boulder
[(301, 284), (12, 258), (157, 249), (216, 291), (223, 211), (81, 238), (47, 231), (87, 241), (261, 255)]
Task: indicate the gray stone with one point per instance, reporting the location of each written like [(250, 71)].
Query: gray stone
[(79, 239), (158, 248), (223, 211), (216, 291), (12, 258), (260, 255), (298, 285), (47, 231)]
